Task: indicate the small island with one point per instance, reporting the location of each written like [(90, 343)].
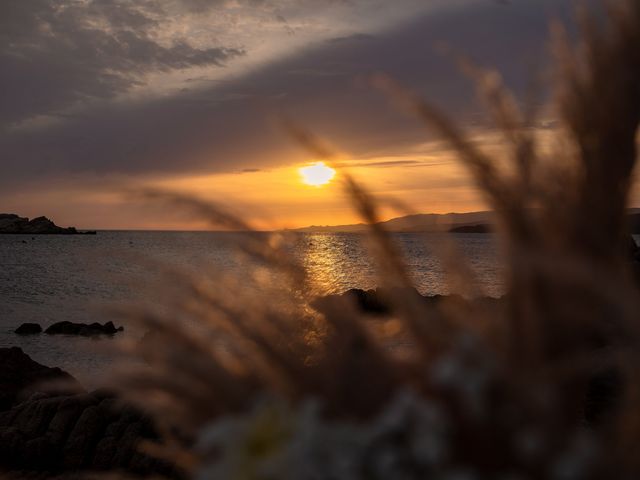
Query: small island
[(480, 228), (11, 223)]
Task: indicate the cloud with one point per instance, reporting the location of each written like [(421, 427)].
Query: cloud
[(56, 56), (391, 163), (356, 37), (394, 163)]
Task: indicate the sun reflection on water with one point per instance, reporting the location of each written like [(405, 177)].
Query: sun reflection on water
[(339, 261)]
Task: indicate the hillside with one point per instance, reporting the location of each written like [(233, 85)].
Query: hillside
[(422, 222), (434, 222)]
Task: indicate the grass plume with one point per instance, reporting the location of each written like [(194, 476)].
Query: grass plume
[(259, 378)]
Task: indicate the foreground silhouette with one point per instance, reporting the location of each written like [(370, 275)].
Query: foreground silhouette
[(16, 225)]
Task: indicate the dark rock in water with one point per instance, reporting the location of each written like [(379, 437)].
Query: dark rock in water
[(376, 302), (633, 251), (480, 228), (365, 301), (28, 329), (14, 224), (21, 377), (109, 328), (381, 301), (71, 328), (368, 300), (633, 255), (633, 221), (604, 392)]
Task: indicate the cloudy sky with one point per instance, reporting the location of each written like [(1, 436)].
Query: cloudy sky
[(102, 96)]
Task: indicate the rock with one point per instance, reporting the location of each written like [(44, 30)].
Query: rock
[(480, 228), (71, 433), (110, 328), (633, 255), (633, 221), (64, 328), (374, 302), (71, 328), (367, 300), (21, 377), (604, 393), (44, 225), (14, 224), (28, 329), (9, 221), (84, 436), (379, 302), (67, 431)]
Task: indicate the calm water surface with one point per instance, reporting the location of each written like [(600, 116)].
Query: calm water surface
[(46, 279)]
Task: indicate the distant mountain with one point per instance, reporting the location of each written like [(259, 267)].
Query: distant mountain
[(472, 222), (422, 222)]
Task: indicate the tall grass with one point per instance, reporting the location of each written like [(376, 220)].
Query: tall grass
[(261, 377)]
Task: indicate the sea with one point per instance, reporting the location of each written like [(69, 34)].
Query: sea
[(52, 278)]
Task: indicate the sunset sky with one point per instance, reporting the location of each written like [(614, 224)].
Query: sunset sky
[(106, 96)]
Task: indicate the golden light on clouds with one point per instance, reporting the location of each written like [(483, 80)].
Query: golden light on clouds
[(269, 198), (428, 178), (317, 174)]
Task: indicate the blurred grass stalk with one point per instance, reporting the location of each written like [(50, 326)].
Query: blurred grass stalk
[(265, 380)]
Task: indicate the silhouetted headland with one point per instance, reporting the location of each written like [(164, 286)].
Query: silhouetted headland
[(480, 228), (417, 223), (470, 222), (14, 224), (70, 328)]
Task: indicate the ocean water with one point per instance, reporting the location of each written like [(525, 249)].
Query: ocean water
[(46, 279)]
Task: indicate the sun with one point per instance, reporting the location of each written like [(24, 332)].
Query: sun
[(317, 174)]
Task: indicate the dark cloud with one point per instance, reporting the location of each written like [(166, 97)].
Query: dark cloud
[(59, 57), (55, 55), (398, 163), (356, 37), (316, 72)]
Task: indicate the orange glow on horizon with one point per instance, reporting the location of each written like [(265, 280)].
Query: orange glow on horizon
[(269, 199)]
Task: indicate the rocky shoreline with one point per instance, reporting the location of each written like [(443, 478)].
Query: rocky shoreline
[(50, 424), (13, 224), (70, 328), (376, 302)]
